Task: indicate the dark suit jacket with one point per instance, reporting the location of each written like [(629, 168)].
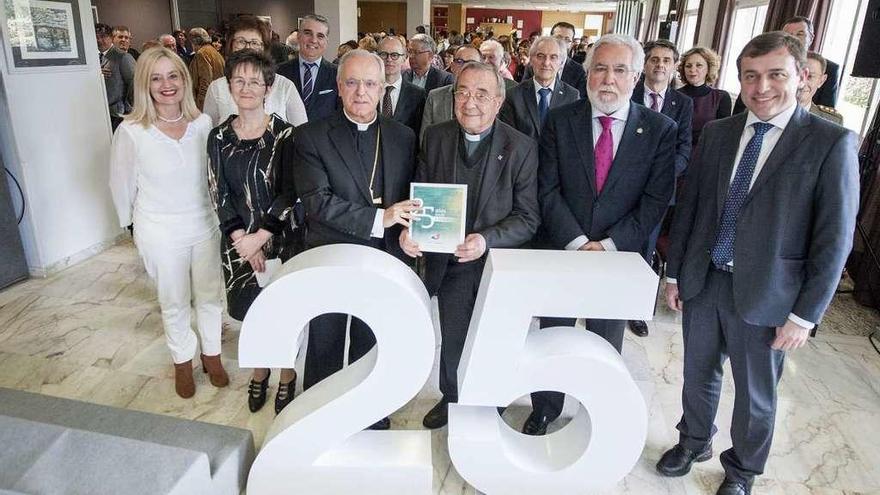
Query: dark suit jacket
[(795, 228), (573, 74), (521, 107), (334, 190), (410, 105), (636, 192), (507, 206), (325, 100), (436, 78), (120, 84), (679, 108), (827, 93)]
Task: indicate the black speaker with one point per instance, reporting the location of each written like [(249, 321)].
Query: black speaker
[(668, 30), (867, 63)]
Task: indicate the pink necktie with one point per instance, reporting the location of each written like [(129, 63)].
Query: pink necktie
[(603, 153), (655, 102)]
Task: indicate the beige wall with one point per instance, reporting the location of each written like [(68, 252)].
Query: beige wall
[(379, 16), (549, 18)]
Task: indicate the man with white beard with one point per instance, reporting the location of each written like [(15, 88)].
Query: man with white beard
[(628, 153)]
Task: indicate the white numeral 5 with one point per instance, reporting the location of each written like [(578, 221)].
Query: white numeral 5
[(316, 445), (503, 361)]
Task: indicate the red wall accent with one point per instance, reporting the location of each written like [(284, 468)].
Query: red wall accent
[(531, 18)]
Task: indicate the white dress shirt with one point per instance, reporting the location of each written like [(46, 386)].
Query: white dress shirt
[(617, 128), (283, 99), (315, 69), (395, 93), (160, 184), (661, 97), (771, 137)]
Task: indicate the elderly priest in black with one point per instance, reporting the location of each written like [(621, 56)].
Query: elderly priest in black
[(498, 164), (352, 172)]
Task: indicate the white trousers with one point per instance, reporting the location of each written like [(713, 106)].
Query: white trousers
[(187, 277)]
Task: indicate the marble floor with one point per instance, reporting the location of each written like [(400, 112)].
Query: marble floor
[(93, 333)]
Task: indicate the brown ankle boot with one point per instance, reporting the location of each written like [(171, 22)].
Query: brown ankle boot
[(214, 368), (183, 379)]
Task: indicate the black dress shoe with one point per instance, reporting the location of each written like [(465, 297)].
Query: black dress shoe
[(438, 416), (678, 460), (731, 487), (382, 424), (257, 393), (285, 394), (536, 424), (639, 327)]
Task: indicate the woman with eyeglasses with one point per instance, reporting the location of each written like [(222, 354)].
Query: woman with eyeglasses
[(251, 183), (284, 100), (158, 184)]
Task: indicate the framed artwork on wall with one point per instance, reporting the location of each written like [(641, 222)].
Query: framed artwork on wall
[(42, 35)]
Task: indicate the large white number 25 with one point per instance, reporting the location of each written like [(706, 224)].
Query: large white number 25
[(317, 446)]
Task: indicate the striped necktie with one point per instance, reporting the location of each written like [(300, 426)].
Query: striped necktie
[(308, 83)]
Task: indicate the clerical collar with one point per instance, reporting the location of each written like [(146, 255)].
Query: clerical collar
[(360, 126), (476, 138)]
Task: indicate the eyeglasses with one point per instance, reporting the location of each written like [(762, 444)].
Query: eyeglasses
[(413, 53), (240, 43), (391, 55), (618, 70), (354, 83), (463, 96), (239, 83), (460, 61)]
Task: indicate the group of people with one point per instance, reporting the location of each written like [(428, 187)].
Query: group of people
[(594, 157)]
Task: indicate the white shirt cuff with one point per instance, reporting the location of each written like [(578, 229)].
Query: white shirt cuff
[(576, 243), (800, 321), (378, 227), (608, 244), (670, 280)]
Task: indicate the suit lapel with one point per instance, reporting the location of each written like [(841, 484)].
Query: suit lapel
[(670, 105), (402, 101), (795, 132), (631, 139), (558, 98), (494, 167), (726, 156), (344, 142), (639, 94), (528, 94), (582, 131), (386, 158), (297, 80)]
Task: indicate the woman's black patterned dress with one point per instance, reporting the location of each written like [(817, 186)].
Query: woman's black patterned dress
[(251, 184)]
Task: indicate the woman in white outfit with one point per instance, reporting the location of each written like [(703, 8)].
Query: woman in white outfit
[(158, 180), (248, 31)]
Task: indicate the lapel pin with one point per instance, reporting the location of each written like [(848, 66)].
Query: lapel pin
[(500, 157), (639, 130)]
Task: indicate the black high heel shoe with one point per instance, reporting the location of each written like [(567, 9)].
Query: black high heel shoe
[(285, 394), (257, 393)]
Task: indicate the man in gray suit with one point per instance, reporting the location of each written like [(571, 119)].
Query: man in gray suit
[(438, 105), (757, 247), (117, 68), (527, 105), (498, 164)]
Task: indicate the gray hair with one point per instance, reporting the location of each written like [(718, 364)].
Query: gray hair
[(198, 36), (483, 67), (166, 35), (563, 46), (317, 18), (425, 40), (394, 39), (496, 47), (638, 54), (363, 54)]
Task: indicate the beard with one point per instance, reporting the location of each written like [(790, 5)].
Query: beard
[(606, 107)]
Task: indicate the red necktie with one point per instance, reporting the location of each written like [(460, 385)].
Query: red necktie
[(603, 152)]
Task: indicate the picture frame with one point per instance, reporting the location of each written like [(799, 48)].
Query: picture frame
[(42, 35)]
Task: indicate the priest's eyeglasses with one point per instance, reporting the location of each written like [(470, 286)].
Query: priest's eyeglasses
[(480, 97)]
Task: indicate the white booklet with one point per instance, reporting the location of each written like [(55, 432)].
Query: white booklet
[(439, 223), (272, 266)]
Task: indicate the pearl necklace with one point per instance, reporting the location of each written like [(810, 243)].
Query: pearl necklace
[(170, 121)]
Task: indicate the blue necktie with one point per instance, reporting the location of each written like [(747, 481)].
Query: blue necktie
[(722, 252), (308, 85), (544, 104)]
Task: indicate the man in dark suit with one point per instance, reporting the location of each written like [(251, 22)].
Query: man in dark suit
[(439, 104), (353, 173), (527, 105), (421, 51), (758, 244), (314, 77), (117, 67), (401, 101), (573, 73), (606, 175), (655, 91), (492, 53), (122, 40), (498, 164), (802, 29)]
